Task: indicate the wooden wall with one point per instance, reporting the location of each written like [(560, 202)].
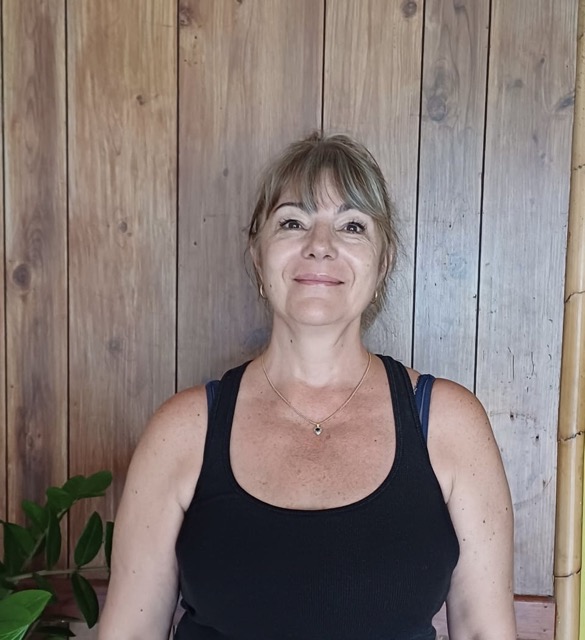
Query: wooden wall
[(133, 132)]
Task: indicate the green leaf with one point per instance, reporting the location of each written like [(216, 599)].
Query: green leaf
[(18, 544), (58, 500), (36, 514), (109, 535), (19, 610), (95, 485), (86, 599), (44, 584), (90, 541), (9, 632), (33, 601), (73, 486), (53, 546)]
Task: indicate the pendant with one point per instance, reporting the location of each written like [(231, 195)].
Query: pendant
[(317, 429)]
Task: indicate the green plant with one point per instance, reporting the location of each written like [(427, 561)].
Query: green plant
[(31, 553)]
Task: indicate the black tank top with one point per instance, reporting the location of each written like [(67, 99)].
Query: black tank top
[(377, 569)]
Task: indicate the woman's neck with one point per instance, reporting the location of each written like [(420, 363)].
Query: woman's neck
[(315, 356)]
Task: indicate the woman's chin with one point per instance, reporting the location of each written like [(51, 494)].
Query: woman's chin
[(315, 312)]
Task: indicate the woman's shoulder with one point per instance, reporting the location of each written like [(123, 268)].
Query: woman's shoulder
[(459, 432), (457, 405), (171, 448), (450, 397)]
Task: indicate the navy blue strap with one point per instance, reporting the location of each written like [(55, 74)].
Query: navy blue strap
[(422, 397), (211, 388)]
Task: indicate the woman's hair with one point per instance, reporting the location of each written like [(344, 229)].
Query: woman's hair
[(352, 171)]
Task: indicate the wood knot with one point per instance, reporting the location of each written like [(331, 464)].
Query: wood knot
[(123, 226), (114, 346), (565, 102), (437, 108), (409, 8), (21, 276), (185, 16), (225, 172), (141, 99)]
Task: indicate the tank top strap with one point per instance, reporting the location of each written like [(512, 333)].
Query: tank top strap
[(221, 398), (406, 414)]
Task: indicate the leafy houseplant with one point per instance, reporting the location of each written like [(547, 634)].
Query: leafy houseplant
[(25, 589)]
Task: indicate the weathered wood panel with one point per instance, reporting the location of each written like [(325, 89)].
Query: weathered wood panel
[(450, 162), (250, 83), (528, 141), (3, 466), (373, 54), (122, 224), (36, 247)]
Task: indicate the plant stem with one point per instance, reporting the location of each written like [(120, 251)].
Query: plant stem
[(54, 572), (40, 539)]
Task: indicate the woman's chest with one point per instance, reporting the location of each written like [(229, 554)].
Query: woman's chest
[(280, 460)]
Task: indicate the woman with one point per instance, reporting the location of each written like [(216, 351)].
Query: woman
[(301, 498)]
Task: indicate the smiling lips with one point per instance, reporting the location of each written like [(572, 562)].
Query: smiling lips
[(317, 279)]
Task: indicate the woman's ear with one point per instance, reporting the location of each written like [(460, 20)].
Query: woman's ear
[(256, 261), (385, 262)]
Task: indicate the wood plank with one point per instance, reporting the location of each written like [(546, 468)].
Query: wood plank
[(122, 222), (372, 90), (451, 158), (528, 142), (3, 468), (250, 83), (36, 247)]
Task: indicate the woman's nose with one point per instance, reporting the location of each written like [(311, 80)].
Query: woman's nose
[(320, 242)]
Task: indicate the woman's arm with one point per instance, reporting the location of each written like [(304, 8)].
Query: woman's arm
[(143, 589), (480, 604)]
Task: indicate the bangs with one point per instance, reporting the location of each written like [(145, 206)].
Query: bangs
[(311, 173)]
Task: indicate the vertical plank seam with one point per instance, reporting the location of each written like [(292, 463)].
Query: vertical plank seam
[(177, 177), (481, 194), (323, 62), (417, 197), (4, 337), (67, 269)]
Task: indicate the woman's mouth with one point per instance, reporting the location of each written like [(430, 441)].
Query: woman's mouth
[(317, 279)]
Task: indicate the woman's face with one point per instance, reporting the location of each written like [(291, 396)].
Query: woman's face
[(319, 267)]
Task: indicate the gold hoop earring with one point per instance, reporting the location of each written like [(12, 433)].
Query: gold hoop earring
[(261, 291)]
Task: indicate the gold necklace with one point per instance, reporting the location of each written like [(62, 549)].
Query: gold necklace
[(317, 430)]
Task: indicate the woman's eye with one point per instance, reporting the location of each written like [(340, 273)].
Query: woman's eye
[(290, 224), (355, 227)]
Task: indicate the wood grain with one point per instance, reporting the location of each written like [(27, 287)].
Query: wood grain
[(250, 83), (122, 223), (3, 466), (528, 142), (36, 247), (372, 90), (449, 188)]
